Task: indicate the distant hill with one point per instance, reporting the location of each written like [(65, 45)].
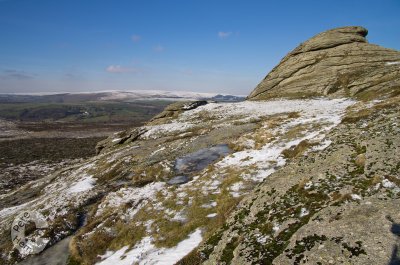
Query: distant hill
[(120, 96)]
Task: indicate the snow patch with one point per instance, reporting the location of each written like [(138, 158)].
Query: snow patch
[(356, 197), (86, 183), (210, 205), (146, 253), (130, 195), (235, 188), (304, 212), (388, 184)]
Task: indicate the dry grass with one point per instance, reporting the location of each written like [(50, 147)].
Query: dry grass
[(148, 173), (294, 115), (262, 135), (193, 258), (297, 150), (355, 116)]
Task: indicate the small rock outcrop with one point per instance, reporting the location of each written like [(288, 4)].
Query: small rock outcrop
[(119, 138), (336, 63), (172, 111)]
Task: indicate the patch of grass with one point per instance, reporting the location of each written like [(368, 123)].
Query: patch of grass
[(193, 258), (87, 112), (356, 116), (49, 149), (297, 150), (106, 172), (297, 131), (149, 173), (294, 115), (263, 133)]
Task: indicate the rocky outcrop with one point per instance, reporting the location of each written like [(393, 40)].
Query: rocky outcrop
[(172, 111), (169, 113), (119, 138), (336, 63), (337, 206)]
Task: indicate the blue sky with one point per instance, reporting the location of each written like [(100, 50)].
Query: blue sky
[(204, 45)]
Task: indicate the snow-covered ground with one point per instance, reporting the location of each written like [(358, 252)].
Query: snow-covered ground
[(152, 94), (317, 117), (233, 175), (131, 195), (145, 253), (86, 183), (220, 114)]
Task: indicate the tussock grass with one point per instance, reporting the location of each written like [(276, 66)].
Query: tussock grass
[(297, 150)]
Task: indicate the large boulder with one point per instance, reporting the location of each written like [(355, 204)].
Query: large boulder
[(336, 63)]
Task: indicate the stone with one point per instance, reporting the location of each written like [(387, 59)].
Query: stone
[(360, 160), (119, 138), (173, 110), (361, 231), (336, 63), (178, 180)]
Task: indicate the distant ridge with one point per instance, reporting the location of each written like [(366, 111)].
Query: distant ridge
[(121, 96)]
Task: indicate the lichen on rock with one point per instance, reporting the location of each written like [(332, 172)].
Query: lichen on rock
[(336, 63)]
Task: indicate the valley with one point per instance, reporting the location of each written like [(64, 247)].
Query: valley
[(38, 138)]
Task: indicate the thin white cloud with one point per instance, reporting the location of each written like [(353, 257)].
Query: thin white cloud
[(224, 35), (120, 69), (158, 48), (136, 38), (15, 75)]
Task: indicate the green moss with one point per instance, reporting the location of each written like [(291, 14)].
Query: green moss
[(355, 250), (211, 242), (72, 261), (227, 253), (193, 258), (305, 244)]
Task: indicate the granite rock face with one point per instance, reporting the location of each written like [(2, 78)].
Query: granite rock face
[(324, 207), (336, 63)]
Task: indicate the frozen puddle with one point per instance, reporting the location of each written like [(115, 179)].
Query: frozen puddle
[(199, 160), (55, 255), (145, 253)]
